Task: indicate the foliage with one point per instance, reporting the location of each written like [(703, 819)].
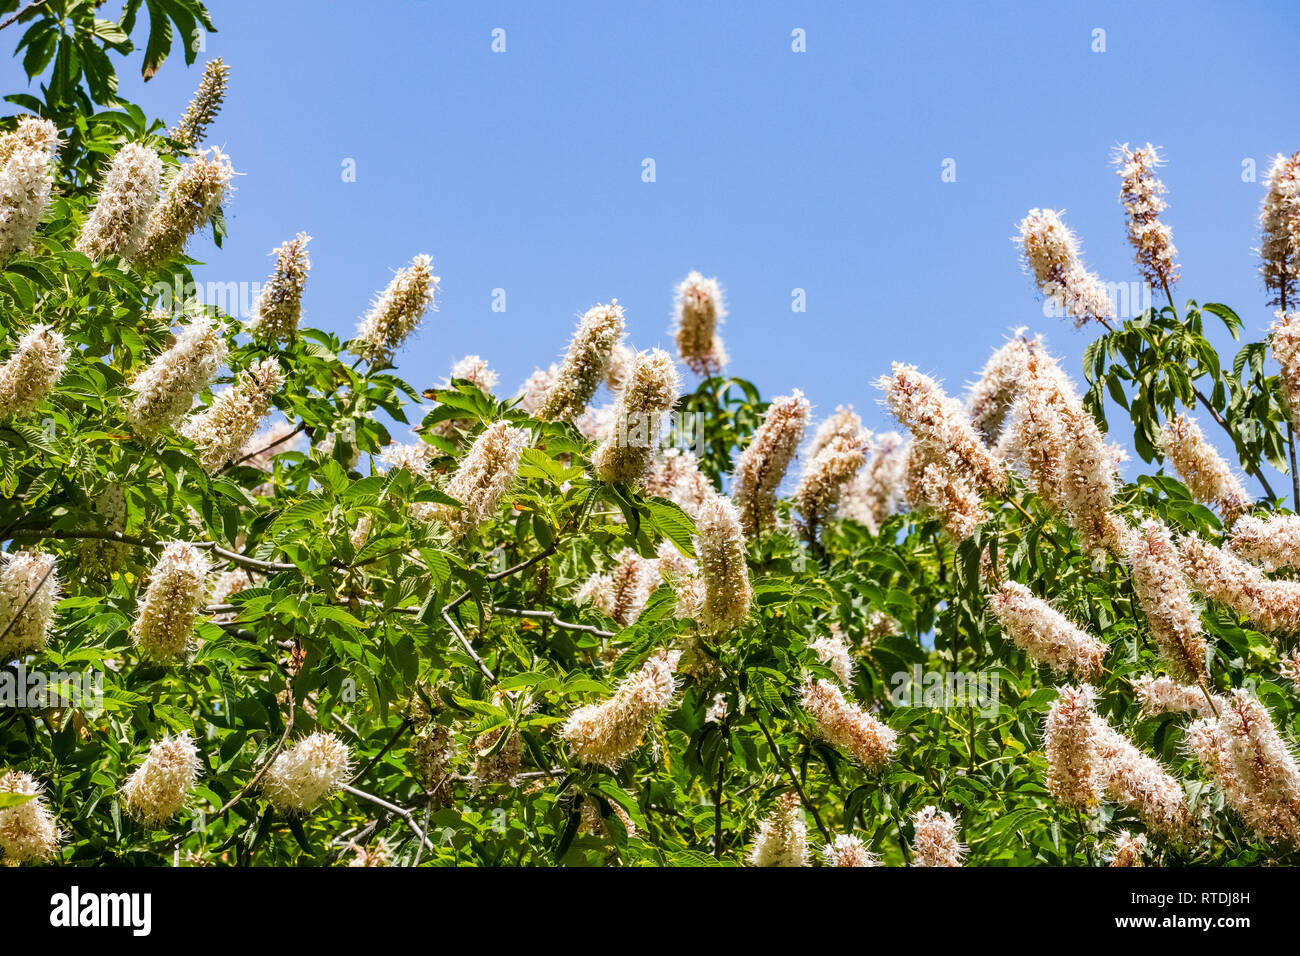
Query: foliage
[(382, 637)]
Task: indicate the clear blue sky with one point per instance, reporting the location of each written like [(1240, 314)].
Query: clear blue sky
[(775, 169)]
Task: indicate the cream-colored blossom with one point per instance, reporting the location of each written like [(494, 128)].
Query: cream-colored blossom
[(31, 371), (1129, 850), (935, 842), (833, 651), (205, 105), (762, 465), (1279, 246), (989, 400), (1164, 695), (1268, 605), (879, 490), (165, 390), (675, 474), (397, 311), (415, 457), (278, 308), (26, 179), (720, 546), (171, 605), (159, 787), (782, 837), (1165, 598), (848, 850), (837, 453), (117, 223), (308, 771), (27, 831), (632, 435), (1045, 634), (607, 732), (584, 364), (193, 196), (1207, 476), (1272, 542), (223, 428), (847, 725), (920, 404), (485, 474), (1255, 768), (1284, 337), (700, 311), (1141, 193), (1051, 255), (29, 591), (1088, 759)]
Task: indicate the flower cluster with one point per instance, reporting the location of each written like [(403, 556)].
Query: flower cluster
[(1204, 472), (26, 178), (1279, 247), (1141, 193), (935, 842), (159, 787), (989, 400), (29, 590), (165, 390), (782, 837), (31, 371), (1051, 254), (837, 453), (1163, 594), (651, 389), (1087, 758), (720, 546), (396, 311), (205, 106), (1246, 756), (847, 725), (1065, 455), (848, 850), (607, 732), (1269, 605), (1045, 634), (700, 310), (223, 429), (307, 772), (880, 488), (762, 465), (194, 195), (170, 608), (116, 225), (484, 476), (278, 308), (27, 831), (1272, 542), (583, 367)]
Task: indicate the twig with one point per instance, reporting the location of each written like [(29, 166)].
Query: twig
[(391, 808), (794, 779), (402, 728), (97, 535), (550, 616), (254, 454), (270, 758), (469, 648), (30, 8)]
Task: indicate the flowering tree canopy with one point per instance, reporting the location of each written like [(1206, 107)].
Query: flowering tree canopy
[(241, 624)]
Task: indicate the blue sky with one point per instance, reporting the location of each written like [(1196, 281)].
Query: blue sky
[(775, 170)]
